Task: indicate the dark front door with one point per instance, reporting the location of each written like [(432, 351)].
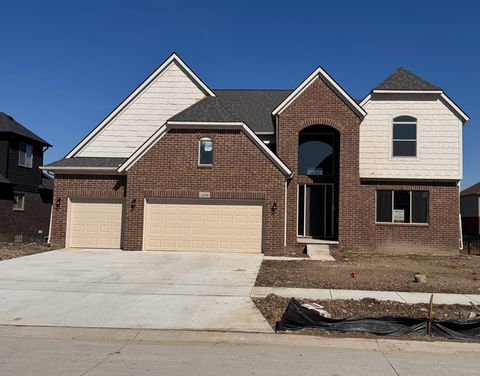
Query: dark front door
[(316, 211)]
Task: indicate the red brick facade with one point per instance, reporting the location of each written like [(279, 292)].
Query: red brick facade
[(242, 171)]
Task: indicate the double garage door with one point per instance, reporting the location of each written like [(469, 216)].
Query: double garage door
[(170, 225)]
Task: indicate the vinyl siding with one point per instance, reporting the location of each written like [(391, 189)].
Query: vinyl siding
[(171, 92), (439, 140)]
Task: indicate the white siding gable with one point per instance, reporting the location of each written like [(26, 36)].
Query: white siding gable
[(439, 139), (168, 94)]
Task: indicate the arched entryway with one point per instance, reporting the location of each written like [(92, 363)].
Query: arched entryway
[(318, 172)]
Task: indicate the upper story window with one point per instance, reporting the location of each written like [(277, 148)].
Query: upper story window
[(205, 152), (316, 152), (404, 136), (25, 155)]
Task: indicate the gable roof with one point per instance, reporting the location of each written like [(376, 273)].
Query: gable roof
[(325, 77), (173, 59), (473, 190), (404, 80), (9, 125), (253, 107), (205, 125)]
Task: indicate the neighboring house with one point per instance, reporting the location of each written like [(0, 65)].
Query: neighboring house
[(25, 191), (470, 209), (179, 166)]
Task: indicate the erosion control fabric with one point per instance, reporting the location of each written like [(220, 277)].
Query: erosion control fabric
[(297, 317)]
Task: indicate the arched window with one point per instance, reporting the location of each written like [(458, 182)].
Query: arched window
[(316, 151), (404, 136), (205, 152)]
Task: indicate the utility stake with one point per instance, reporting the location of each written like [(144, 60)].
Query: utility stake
[(429, 325)]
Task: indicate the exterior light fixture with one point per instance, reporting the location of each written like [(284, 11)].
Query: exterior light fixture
[(58, 202), (274, 207), (134, 203)]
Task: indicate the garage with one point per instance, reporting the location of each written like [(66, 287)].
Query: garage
[(94, 223), (203, 225)]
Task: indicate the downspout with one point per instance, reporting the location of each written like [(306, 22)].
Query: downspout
[(285, 220)]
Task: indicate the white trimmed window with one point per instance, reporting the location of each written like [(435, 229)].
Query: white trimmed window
[(25, 155), (18, 202), (404, 136), (205, 152), (401, 206)]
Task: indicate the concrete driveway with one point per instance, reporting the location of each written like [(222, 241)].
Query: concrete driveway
[(115, 289)]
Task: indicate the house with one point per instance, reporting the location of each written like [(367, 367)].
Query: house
[(25, 191), (470, 210), (179, 166)]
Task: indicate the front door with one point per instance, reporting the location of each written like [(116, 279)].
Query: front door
[(316, 217)]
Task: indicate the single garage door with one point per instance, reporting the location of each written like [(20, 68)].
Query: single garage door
[(210, 226), (95, 224)]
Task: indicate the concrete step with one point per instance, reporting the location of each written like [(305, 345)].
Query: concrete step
[(319, 252)]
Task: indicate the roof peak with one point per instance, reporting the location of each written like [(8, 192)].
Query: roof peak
[(404, 79)]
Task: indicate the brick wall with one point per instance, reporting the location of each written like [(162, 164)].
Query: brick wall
[(80, 186), (240, 171), (319, 105), (441, 234), (32, 223), (357, 230)]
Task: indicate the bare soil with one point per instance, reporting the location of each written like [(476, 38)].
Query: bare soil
[(272, 308), (354, 271), (12, 250)]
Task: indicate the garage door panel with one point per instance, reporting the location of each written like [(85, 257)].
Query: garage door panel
[(203, 227), (95, 224)]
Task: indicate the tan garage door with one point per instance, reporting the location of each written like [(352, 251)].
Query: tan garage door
[(95, 224), (203, 226)]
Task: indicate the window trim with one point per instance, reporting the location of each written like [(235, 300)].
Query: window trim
[(393, 122), (411, 223), (200, 150), (25, 154), (22, 195)]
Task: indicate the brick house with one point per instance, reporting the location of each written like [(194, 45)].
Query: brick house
[(179, 166), (25, 191)]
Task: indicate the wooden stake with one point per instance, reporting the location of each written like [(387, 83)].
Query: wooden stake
[(430, 308)]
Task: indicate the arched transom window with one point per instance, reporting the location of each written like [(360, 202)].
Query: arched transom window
[(404, 136)]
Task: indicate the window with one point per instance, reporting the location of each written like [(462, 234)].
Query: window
[(315, 153), (404, 136), (18, 202), (205, 153), (25, 155), (402, 206)]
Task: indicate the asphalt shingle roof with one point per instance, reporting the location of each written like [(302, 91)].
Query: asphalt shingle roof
[(473, 190), (88, 162), (254, 107), (9, 125), (403, 79)]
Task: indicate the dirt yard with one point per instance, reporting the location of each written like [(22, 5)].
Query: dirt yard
[(12, 250), (273, 306), (376, 272)]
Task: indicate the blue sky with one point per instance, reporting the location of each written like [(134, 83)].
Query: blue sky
[(65, 65)]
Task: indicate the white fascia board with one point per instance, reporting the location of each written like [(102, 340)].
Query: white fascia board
[(270, 154), (407, 91), (365, 100), (172, 59), (147, 145), (330, 81), (457, 109), (204, 125), (463, 116)]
